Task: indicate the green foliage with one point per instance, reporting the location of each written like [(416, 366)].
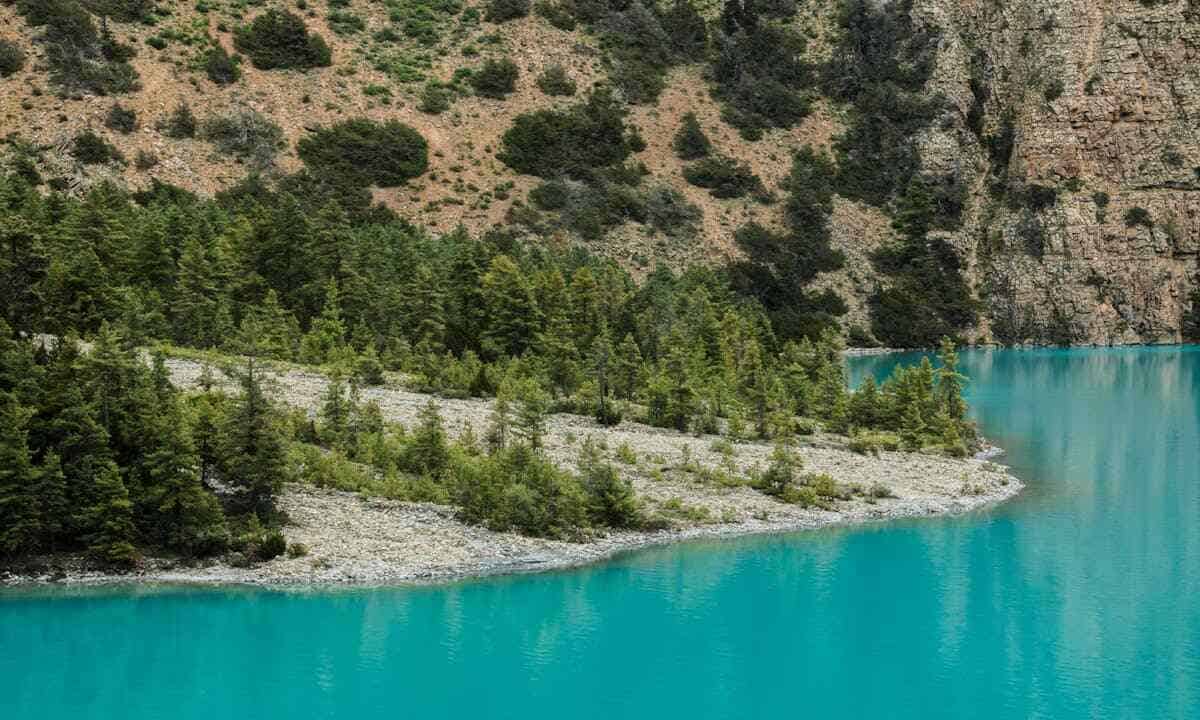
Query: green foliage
[(690, 142), (435, 99), (273, 545), (498, 11), (760, 76), (181, 123), (496, 79), (220, 67), (12, 58), (778, 267), (363, 152), (550, 143), (555, 81), (91, 149), (277, 39), (880, 66), (555, 13), (80, 57), (245, 134), (1138, 216), (724, 178), (121, 119), (928, 298)]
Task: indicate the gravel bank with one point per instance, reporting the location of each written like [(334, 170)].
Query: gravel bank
[(370, 541)]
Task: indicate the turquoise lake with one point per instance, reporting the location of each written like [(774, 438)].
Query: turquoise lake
[(1079, 599)]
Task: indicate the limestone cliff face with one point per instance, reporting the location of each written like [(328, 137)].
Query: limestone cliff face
[(1101, 102)]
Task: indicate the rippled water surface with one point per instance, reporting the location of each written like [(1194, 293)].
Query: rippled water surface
[(1080, 599)]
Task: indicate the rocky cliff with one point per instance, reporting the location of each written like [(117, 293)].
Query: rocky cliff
[(1086, 111)]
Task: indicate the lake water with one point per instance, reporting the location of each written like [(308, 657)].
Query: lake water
[(1079, 599)]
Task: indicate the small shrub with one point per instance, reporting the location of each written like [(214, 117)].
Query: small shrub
[(499, 11), (181, 123), (297, 550), (345, 23), (12, 58), (723, 177), (690, 141), (121, 119), (435, 99), (220, 67), (496, 79), (367, 153), (1053, 91), (278, 40), (91, 149), (551, 143), (145, 160), (246, 134), (556, 14), (273, 545), (555, 81), (1136, 216)]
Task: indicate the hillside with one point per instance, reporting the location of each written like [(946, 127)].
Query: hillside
[(1046, 149)]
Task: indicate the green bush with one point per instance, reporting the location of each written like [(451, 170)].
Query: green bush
[(496, 79), (1136, 216), (762, 79), (366, 153), (12, 58), (126, 11), (555, 13), (690, 142), (245, 134), (181, 123), (220, 67), (555, 81), (723, 177), (279, 40), (345, 23), (80, 56), (550, 143), (272, 545), (435, 99), (91, 149), (121, 119), (498, 11)]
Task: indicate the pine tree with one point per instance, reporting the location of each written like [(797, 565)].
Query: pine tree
[(950, 383), (335, 414), (19, 527), (912, 427), (499, 424), (690, 142), (610, 498), (23, 265), (426, 310), (254, 457), (325, 340), (428, 452), (532, 407), (865, 405), (196, 300), (179, 512), (627, 369), (512, 312), (109, 521), (54, 509)]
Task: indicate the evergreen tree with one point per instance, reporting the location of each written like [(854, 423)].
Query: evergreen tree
[(512, 312), (19, 527), (335, 414), (500, 423), (54, 508), (428, 451), (325, 341), (611, 499), (109, 521), (532, 408), (254, 457), (627, 369), (950, 383), (690, 142)]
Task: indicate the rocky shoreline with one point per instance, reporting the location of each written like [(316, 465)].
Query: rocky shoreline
[(365, 541)]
